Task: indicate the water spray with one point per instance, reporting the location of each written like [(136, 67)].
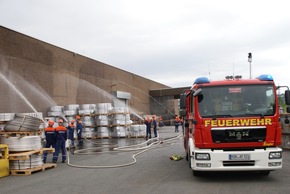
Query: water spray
[(21, 96)]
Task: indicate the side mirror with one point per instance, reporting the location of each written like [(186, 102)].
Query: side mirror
[(288, 109), (182, 102), (182, 112), (287, 97)]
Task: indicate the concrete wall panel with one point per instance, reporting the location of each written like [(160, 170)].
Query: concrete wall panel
[(48, 75)]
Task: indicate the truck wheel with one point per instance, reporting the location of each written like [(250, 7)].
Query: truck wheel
[(189, 160)]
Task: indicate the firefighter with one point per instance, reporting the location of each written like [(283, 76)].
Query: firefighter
[(71, 130), (61, 137), (49, 132), (148, 127), (79, 130), (176, 123), (154, 123)]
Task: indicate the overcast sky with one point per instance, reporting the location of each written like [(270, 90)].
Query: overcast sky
[(168, 41)]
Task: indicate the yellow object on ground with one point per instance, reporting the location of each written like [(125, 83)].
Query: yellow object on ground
[(4, 160), (176, 157)]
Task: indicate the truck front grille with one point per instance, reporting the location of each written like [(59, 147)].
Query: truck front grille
[(239, 134)]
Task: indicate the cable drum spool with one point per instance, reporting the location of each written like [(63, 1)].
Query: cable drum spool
[(142, 130), (119, 119), (32, 114), (134, 130), (88, 121), (103, 132), (20, 144), (55, 111), (103, 108), (71, 109), (120, 131), (87, 109), (70, 112), (102, 120), (5, 117), (23, 123), (35, 160), (120, 110), (88, 132), (128, 121)]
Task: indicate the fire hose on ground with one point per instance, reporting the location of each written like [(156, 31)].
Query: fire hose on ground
[(146, 146)]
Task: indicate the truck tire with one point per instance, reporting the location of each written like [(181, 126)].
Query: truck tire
[(189, 160)]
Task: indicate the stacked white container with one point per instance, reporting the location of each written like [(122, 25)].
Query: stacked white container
[(87, 112), (120, 121), (102, 119)]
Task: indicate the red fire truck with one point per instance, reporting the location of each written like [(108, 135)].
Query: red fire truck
[(232, 125)]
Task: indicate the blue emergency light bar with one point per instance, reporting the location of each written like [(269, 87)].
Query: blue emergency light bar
[(265, 77), (201, 80)]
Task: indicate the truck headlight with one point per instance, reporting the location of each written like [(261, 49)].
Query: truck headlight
[(202, 156), (275, 155)]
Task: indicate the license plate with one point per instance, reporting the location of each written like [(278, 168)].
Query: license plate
[(239, 156)]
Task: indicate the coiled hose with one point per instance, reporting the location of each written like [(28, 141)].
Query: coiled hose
[(145, 146)]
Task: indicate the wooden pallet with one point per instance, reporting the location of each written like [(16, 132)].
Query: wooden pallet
[(136, 136), (20, 134), (105, 137), (26, 172), (26, 155), (3, 122)]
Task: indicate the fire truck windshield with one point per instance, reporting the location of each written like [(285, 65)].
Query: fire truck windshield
[(237, 100)]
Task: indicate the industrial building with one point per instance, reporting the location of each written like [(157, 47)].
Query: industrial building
[(47, 75)]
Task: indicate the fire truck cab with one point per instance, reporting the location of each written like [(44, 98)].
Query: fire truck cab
[(233, 125)]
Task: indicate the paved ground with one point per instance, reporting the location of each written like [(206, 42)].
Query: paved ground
[(153, 172)]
